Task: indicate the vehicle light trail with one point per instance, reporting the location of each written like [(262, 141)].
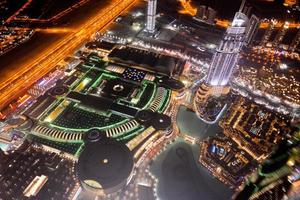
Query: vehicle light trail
[(37, 67), (187, 8)]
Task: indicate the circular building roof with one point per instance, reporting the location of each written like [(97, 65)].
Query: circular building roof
[(145, 115), (161, 122), (157, 120), (171, 83), (105, 165), (94, 135), (58, 90)]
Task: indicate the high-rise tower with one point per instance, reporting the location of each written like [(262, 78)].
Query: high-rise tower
[(226, 56), (252, 29), (151, 13), (224, 61)]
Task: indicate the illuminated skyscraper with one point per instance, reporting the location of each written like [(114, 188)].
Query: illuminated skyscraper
[(216, 83), (226, 56), (151, 12)]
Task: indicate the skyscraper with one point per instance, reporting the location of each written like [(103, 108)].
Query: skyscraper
[(222, 66), (206, 14), (251, 29), (201, 12), (211, 15), (151, 12), (226, 56)]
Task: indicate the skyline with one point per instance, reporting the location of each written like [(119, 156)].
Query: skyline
[(157, 99)]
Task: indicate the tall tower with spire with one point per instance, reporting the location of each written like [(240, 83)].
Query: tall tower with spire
[(222, 67), (151, 13), (226, 56)]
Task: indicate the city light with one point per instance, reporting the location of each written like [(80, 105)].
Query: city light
[(129, 99), (283, 66), (187, 8)]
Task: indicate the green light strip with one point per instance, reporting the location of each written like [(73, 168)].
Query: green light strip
[(86, 129), (130, 134), (165, 102), (152, 97), (55, 139), (78, 152)]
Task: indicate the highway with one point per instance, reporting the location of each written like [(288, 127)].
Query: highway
[(55, 17), (35, 69)]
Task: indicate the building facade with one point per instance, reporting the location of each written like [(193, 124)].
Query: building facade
[(226, 55), (251, 29), (210, 99), (151, 13)]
